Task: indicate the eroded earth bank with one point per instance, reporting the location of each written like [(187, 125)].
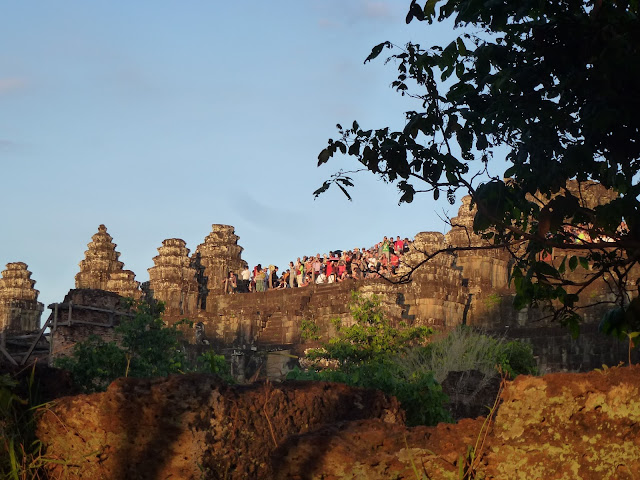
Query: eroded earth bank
[(560, 426)]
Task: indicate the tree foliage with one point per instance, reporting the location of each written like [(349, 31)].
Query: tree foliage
[(371, 337), (365, 352), (146, 347), (551, 88)]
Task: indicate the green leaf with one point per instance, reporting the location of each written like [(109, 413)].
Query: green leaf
[(562, 267), (324, 156), (573, 263), (430, 9), (344, 190), (584, 263), (375, 51), (461, 47)]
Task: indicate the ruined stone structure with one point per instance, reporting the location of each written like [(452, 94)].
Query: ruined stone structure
[(456, 286), (173, 279), (102, 270), (20, 310), (219, 255)]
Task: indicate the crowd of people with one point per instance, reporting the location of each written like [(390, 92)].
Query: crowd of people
[(381, 260)]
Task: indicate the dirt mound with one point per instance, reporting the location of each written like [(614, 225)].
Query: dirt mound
[(560, 426), (193, 426)]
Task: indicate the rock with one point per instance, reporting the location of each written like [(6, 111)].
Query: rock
[(569, 426), (193, 426)]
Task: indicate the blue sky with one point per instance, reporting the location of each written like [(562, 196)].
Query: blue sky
[(160, 118)]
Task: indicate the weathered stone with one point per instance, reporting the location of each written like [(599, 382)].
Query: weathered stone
[(193, 426), (219, 255), (102, 270), (72, 323), (173, 279), (569, 426), (564, 426), (20, 310)]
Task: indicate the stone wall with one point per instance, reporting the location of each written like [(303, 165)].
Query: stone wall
[(82, 313)]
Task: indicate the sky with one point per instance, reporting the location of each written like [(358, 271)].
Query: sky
[(160, 118)]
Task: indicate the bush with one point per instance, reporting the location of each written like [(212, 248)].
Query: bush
[(420, 395), (147, 347), (372, 337), (365, 351), (464, 349), (22, 455)]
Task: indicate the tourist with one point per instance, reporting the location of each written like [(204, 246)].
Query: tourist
[(230, 283), (317, 266), (292, 275), (245, 275), (260, 278), (321, 278), (384, 248), (299, 272)]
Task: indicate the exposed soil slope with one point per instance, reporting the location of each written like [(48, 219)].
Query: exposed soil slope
[(560, 426)]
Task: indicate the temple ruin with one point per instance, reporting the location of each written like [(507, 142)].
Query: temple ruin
[(20, 310), (102, 270), (454, 287)]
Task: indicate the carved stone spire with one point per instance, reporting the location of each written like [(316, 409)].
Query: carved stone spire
[(173, 280), (100, 260), (101, 268), (19, 306), (219, 255)]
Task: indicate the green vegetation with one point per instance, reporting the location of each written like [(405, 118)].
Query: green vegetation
[(365, 353), (21, 453), (370, 337), (540, 93), (309, 330), (464, 349), (372, 353), (146, 348)]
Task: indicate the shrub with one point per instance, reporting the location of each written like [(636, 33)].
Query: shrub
[(371, 337), (465, 349), (147, 347), (420, 395), (365, 354)]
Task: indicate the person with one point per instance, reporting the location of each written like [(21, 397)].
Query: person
[(317, 265), (385, 248), (395, 262), (321, 277), (292, 276), (245, 275), (299, 272), (230, 283), (260, 278), (273, 277), (286, 277), (307, 280), (398, 246)]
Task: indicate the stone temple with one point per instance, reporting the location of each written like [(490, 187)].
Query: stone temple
[(469, 287)]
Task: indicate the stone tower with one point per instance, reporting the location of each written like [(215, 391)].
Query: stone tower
[(172, 278), (219, 255), (20, 310), (102, 270)]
